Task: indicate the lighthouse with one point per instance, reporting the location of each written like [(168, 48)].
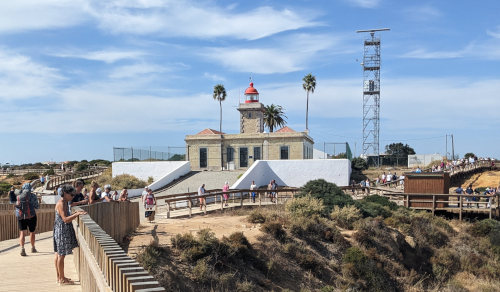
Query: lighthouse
[(251, 112)]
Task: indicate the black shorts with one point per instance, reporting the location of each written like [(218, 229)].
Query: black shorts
[(27, 224)]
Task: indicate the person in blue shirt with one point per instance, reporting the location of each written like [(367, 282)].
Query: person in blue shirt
[(469, 191), (459, 191)]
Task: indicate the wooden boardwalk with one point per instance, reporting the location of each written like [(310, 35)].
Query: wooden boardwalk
[(36, 271)]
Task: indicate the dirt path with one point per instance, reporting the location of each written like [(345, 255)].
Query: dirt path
[(164, 230)]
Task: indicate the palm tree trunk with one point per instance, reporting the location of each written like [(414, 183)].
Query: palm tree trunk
[(307, 111), (220, 124)]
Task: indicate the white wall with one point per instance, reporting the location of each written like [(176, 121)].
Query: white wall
[(296, 173), (163, 172), (423, 159)]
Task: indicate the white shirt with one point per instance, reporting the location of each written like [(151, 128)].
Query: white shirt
[(201, 191), (253, 186), (104, 194)]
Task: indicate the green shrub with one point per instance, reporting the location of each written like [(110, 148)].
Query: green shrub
[(203, 272), (50, 172), (4, 187), (245, 286), (238, 245), (275, 229), (256, 217), (370, 209), (31, 176), (346, 216), (151, 255), (183, 241), (483, 227), (424, 229), (359, 163), (81, 166), (305, 207), (316, 229), (445, 263), (127, 181), (304, 257), (330, 193), (383, 201), (150, 180)]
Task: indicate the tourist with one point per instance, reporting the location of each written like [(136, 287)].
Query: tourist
[(252, 188), (79, 198), (123, 195), (42, 179), (201, 192), (402, 180), (85, 194), (64, 234), (115, 196), (418, 170), (149, 205), (367, 185), (94, 197), (12, 195), (469, 192), (225, 189), (106, 195), (26, 203), (389, 178), (384, 177), (459, 191), (273, 186)]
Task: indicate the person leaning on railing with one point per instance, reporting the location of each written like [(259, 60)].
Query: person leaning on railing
[(79, 198)]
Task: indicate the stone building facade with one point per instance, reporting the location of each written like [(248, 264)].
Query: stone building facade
[(213, 150)]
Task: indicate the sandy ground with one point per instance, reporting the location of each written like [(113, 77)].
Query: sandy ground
[(485, 179), (163, 230)]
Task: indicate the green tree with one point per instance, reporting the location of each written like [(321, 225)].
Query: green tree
[(398, 153), (220, 95), (359, 164), (309, 85), (274, 117), (469, 155)]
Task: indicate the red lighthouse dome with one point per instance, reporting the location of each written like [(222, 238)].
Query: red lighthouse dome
[(251, 94)]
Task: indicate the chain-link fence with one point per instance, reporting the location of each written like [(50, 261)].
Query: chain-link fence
[(149, 153), (337, 150)]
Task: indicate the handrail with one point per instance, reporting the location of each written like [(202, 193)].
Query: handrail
[(58, 180)]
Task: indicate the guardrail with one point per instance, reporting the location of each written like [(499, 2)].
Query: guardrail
[(102, 265), (216, 196), (8, 220), (59, 180)]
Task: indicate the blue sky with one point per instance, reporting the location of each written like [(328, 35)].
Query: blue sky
[(78, 77)]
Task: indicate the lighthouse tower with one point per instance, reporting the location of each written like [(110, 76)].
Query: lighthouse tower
[(251, 112)]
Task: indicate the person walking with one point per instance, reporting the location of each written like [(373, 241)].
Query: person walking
[(225, 189), (201, 192), (26, 203), (12, 195), (253, 186), (150, 205), (64, 234)]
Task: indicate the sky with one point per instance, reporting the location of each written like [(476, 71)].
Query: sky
[(79, 77)]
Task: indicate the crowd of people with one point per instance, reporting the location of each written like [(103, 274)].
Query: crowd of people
[(476, 195)]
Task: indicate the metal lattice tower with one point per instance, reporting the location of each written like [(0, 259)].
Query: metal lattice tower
[(371, 94)]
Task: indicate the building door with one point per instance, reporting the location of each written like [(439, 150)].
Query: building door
[(203, 157), (256, 153), (243, 157)]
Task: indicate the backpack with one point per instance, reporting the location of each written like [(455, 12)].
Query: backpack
[(24, 207)]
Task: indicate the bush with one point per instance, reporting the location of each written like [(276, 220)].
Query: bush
[(445, 263), (150, 180), (346, 216), (4, 187), (183, 241), (50, 172), (426, 232), (81, 166), (127, 181), (330, 193), (275, 229), (359, 163), (31, 176), (151, 255), (383, 201), (238, 245), (256, 217), (203, 272), (316, 229), (370, 209), (304, 257), (483, 227), (245, 286), (305, 207)]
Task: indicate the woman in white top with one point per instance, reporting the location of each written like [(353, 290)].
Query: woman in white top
[(253, 187)]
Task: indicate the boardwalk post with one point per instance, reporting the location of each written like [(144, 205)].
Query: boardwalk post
[(460, 199), (205, 206), (221, 202), (168, 210), (433, 204), (260, 199), (490, 199), (190, 205), (241, 201)]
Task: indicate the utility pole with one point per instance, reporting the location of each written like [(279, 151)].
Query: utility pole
[(446, 145), (452, 148)]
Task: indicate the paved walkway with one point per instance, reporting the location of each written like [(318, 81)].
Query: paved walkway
[(36, 271)]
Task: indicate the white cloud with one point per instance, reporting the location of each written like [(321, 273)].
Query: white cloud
[(213, 77), (21, 77), (495, 33), (22, 15), (425, 54), (291, 53), (195, 19), (486, 50), (134, 70), (107, 56), (365, 3), (423, 13)]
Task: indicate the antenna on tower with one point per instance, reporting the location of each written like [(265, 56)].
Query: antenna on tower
[(371, 94)]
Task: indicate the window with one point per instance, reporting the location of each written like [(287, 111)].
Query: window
[(230, 154), (256, 153), (243, 157), (203, 157), (284, 152)]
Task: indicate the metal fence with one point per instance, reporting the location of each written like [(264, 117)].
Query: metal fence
[(337, 150), (149, 153)]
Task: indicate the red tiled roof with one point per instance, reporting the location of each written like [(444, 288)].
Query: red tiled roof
[(286, 129), (210, 132)]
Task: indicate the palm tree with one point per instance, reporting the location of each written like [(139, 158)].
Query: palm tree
[(220, 95), (309, 85), (274, 116)]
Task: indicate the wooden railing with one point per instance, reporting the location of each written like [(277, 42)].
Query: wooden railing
[(59, 180), (214, 197), (8, 220), (463, 203), (102, 265)]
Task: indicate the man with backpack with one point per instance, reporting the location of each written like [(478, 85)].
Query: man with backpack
[(26, 204)]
